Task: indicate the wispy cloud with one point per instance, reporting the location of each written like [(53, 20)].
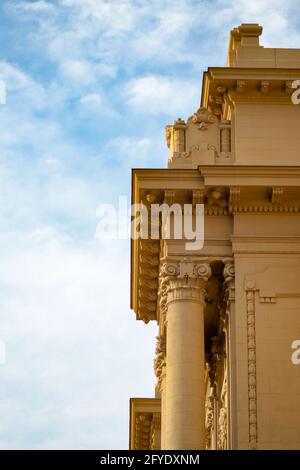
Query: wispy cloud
[(154, 94), (35, 7), (64, 338)]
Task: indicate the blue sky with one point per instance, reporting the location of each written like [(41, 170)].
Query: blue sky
[(90, 86)]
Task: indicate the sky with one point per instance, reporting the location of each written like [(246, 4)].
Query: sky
[(90, 86)]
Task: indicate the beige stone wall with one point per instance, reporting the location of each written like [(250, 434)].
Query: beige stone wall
[(278, 380), (267, 133), (277, 325)]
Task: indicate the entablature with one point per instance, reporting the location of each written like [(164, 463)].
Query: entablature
[(225, 192), (222, 87)]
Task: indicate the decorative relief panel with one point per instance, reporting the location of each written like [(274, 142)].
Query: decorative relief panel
[(250, 288), (203, 139)]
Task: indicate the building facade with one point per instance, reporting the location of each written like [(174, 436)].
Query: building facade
[(228, 314)]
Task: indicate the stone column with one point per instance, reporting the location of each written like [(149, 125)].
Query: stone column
[(185, 389)]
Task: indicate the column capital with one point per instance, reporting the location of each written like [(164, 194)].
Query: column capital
[(187, 268), (185, 279), (229, 278), (229, 271)]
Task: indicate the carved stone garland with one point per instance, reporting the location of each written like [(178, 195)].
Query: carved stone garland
[(222, 434), (209, 420), (159, 361)]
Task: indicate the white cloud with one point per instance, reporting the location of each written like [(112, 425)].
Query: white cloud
[(64, 330), (78, 75), (93, 100), (116, 17), (154, 94), (20, 85), (69, 369), (131, 152), (14, 77), (94, 106), (38, 6), (78, 71), (125, 33), (276, 17)]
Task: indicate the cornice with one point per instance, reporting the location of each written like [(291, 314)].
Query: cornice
[(244, 175), (268, 245), (269, 239), (224, 85), (254, 73), (165, 178)]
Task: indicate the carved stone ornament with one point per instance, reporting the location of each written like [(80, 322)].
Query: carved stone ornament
[(277, 195), (184, 279), (209, 420), (234, 195), (168, 135), (250, 289), (155, 432), (160, 360), (289, 87), (148, 274), (240, 86), (229, 271), (222, 435), (202, 118), (222, 424), (216, 197), (142, 430), (179, 122), (264, 86)]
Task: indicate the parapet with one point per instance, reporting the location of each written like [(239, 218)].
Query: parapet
[(245, 51)]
